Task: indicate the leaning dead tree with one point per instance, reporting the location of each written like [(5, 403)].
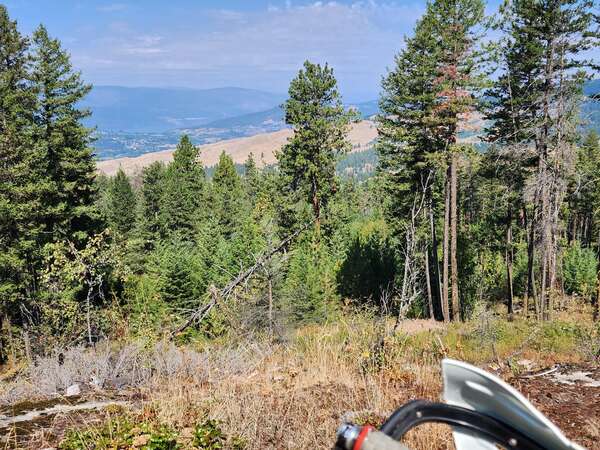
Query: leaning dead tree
[(214, 295), (411, 279)]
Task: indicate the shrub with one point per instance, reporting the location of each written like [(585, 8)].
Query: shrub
[(309, 288), (123, 432), (368, 267), (580, 267)]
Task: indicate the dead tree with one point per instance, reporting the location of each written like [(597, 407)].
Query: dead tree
[(411, 289), (214, 296)]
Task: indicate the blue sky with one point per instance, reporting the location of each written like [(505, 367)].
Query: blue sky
[(207, 43)]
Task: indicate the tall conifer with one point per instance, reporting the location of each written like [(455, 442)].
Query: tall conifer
[(315, 111), (183, 191), (69, 158)]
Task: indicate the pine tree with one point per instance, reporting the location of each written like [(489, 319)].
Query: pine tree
[(23, 180), (69, 159), (584, 194), (320, 123), (251, 178), (177, 270), (151, 193), (230, 204), (535, 104), (121, 213), (183, 192), (427, 96)]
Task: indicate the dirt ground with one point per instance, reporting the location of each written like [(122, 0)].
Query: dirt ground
[(574, 408)]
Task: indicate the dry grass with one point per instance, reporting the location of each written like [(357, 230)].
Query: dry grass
[(298, 395), (295, 394)]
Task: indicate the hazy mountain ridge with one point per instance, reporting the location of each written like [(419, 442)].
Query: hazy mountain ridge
[(119, 144), (263, 146), (134, 121), (144, 109)]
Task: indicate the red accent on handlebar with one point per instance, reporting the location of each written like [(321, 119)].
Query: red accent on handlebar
[(362, 436)]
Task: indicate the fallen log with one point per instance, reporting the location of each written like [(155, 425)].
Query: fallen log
[(215, 294)]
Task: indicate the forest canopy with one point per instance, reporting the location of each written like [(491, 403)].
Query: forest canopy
[(445, 223)]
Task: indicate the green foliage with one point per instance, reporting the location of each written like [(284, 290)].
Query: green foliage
[(580, 268), (147, 310), (182, 192), (320, 123), (77, 282), (122, 432), (178, 235), (208, 435), (252, 179), (151, 197), (60, 132), (309, 291), (179, 273), (369, 265), (47, 190), (229, 200), (121, 204)]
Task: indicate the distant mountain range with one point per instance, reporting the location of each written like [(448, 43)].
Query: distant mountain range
[(144, 109), (134, 121)]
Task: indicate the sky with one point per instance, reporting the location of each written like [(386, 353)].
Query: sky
[(257, 44)]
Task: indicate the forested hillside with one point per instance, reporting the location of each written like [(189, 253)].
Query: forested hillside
[(430, 227), (440, 227)]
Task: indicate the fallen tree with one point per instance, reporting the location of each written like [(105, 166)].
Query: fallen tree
[(215, 295)]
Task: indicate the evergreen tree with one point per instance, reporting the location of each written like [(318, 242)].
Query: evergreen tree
[(151, 193), (427, 96), (176, 266), (535, 104), (183, 191), (320, 123), (121, 213), (251, 178), (23, 180), (229, 201), (69, 159), (584, 194)]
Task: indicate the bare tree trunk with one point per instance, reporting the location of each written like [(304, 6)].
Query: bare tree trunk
[(270, 298), (530, 290), (316, 204), (88, 315), (596, 312), (456, 313), (445, 306), (509, 264), (543, 290), (428, 281), (434, 255), (27, 343)]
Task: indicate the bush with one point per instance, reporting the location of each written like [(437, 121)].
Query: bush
[(369, 266), (124, 432), (180, 274), (310, 288), (580, 269)]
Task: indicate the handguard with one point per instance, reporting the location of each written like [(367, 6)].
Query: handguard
[(474, 389), (482, 410)]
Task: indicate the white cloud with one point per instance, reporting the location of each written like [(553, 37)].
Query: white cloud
[(264, 49)]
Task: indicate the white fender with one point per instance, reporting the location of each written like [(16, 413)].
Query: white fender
[(473, 388)]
